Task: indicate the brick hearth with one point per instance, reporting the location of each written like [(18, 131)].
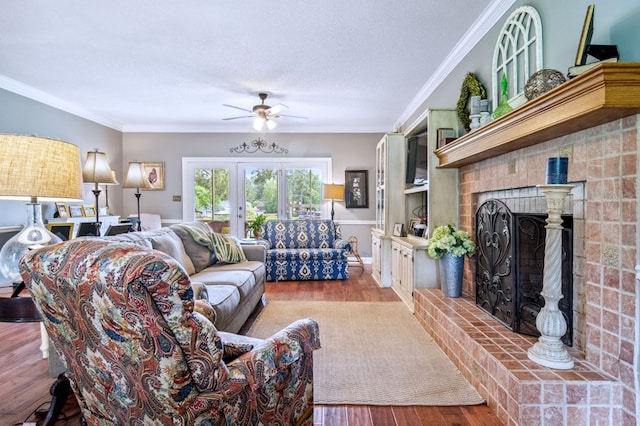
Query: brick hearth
[(494, 359)]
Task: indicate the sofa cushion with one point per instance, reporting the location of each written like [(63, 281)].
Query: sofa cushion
[(224, 299), (256, 268), (306, 254), (228, 249), (171, 244), (200, 254)]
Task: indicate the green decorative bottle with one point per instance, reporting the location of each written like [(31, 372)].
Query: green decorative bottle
[(504, 106)]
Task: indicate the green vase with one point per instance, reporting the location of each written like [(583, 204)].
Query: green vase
[(504, 106)]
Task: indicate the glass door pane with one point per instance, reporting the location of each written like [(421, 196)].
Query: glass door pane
[(212, 202), (261, 193), (304, 193)]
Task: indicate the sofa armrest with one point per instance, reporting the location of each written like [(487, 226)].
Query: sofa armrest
[(256, 252)]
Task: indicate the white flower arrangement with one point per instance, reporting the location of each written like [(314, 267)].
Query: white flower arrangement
[(447, 239)]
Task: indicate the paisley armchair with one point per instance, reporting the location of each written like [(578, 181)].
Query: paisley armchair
[(122, 319)]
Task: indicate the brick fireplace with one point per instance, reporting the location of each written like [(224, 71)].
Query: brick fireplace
[(603, 166), (594, 121)]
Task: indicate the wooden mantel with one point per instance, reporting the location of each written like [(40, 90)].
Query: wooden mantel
[(607, 92)]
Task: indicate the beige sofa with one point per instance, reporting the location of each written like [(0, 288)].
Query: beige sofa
[(233, 289)]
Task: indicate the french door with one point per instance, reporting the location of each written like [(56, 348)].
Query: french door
[(231, 193)]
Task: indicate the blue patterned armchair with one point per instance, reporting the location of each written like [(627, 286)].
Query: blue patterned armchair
[(305, 250), (122, 319)]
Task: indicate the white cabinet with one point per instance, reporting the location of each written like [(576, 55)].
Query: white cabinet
[(411, 267), (105, 221), (438, 199), (390, 176), (402, 262), (390, 165)]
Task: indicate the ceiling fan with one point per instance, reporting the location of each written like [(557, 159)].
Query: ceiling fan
[(263, 114)]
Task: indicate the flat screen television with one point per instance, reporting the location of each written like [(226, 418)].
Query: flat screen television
[(417, 160)]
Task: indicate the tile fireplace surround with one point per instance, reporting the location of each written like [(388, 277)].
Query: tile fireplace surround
[(602, 147)]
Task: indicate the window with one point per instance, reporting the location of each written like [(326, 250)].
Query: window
[(229, 193)]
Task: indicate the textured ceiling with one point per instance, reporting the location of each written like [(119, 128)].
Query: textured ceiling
[(349, 66)]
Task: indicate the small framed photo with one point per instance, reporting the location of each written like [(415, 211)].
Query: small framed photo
[(64, 231), (89, 210), (444, 136), (75, 211), (155, 176), (398, 230), (412, 223), (61, 208)]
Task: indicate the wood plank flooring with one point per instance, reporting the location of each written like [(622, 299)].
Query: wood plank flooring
[(25, 378)]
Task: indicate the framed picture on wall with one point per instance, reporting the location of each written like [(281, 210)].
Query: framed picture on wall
[(155, 176), (356, 189)]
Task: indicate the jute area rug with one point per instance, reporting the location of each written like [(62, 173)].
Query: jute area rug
[(373, 353)]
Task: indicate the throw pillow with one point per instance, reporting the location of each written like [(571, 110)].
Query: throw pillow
[(228, 249), (171, 244)]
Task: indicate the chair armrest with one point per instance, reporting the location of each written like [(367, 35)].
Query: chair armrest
[(256, 252), (342, 244), (275, 354)]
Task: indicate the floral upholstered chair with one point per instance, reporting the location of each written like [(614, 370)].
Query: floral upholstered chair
[(122, 319)]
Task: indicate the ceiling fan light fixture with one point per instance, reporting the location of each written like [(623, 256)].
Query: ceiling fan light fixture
[(258, 123), (271, 124)]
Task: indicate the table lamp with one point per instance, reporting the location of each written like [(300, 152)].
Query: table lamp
[(137, 178), (333, 192), (96, 171), (35, 169)]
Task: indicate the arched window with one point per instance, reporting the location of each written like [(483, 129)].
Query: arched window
[(518, 54)]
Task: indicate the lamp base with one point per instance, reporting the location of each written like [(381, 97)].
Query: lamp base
[(34, 235)]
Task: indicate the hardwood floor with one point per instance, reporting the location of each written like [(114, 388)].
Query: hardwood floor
[(25, 377)]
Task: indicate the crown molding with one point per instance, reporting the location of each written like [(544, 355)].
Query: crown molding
[(52, 101), (491, 15)]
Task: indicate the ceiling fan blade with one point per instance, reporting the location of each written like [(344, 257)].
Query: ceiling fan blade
[(293, 116), (235, 118), (274, 110), (241, 109)]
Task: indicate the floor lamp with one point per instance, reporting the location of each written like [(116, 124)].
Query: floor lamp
[(333, 192), (137, 178), (35, 169), (96, 171), (106, 192)]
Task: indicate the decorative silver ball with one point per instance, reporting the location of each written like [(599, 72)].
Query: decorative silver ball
[(541, 82)]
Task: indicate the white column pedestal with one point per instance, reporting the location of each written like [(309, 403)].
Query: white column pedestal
[(549, 350)]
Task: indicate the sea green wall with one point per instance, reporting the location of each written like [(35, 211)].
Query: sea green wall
[(615, 22)]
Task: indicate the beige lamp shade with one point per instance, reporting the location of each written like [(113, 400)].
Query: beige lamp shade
[(333, 191), (42, 168), (136, 176), (96, 168), (115, 179)]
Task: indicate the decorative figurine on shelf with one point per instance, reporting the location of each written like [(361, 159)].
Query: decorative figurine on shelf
[(504, 106)]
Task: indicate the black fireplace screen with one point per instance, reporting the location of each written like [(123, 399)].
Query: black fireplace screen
[(510, 263)]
